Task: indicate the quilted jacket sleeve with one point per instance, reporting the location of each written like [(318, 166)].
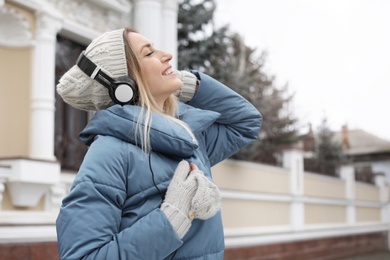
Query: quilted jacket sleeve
[(238, 125), (90, 216)]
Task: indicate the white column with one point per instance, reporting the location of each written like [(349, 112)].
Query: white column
[(293, 160), (380, 182), (5, 172), (169, 27), (347, 173), (43, 88), (148, 20), (2, 188)]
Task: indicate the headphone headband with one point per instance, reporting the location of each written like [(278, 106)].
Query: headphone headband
[(93, 71), (122, 91)]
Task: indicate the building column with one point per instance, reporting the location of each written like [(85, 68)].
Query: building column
[(169, 27), (3, 180), (380, 182), (293, 160), (148, 21), (43, 87), (347, 173)]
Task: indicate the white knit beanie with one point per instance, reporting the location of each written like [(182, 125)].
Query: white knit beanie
[(85, 93)]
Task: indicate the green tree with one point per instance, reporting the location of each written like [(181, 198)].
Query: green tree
[(224, 56), (327, 152), (327, 148), (197, 41)]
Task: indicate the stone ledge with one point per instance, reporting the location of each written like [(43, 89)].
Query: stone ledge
[(28, 180)]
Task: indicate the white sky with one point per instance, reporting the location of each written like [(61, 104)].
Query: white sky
[(334, 55)]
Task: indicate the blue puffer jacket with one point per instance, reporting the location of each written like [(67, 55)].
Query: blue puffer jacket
[(113, 209)]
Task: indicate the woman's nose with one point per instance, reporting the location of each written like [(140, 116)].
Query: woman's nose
[(166, 56)]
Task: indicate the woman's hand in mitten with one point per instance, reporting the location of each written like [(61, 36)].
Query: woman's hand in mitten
[(207, 199), (189, 86), (178, 198)]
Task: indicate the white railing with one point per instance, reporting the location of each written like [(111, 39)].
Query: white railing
[(311, 206)]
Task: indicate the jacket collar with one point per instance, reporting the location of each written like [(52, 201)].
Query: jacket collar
[(165, 136)]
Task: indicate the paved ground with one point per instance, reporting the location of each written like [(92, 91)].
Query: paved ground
[(375, 256)]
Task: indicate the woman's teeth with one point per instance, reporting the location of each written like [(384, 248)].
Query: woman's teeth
[(167, 72)]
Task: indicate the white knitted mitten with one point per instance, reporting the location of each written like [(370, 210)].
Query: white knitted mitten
[(189, 87), (207, 200), (180, 193), (190, 195)]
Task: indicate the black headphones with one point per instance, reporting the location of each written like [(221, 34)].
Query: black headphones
[(122, 90)]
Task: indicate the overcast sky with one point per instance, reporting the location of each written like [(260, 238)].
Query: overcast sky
[(334, 55)]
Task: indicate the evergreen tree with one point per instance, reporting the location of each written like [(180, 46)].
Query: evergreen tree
[(224, 56), (327, 148), (197, 41), (327, 152)]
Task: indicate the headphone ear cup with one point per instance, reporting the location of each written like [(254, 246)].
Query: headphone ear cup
[(124, 91)]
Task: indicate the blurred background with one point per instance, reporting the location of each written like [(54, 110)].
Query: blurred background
[(332, 54), (315, 185)]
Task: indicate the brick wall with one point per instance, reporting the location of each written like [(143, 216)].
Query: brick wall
[(29, 251), (318, 249)]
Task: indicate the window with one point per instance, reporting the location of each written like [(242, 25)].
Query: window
[(364, 173), (69, 121)]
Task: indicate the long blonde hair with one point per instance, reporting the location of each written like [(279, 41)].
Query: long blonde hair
[(146, 100)]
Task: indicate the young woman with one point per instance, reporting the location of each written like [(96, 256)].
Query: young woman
[(144, 189)]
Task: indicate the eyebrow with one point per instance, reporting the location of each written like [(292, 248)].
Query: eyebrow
[(148, 45)]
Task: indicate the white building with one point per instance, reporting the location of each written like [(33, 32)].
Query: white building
[(32, 181)]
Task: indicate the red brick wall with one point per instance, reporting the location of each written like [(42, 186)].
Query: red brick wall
[(29, 251), (319, 249)]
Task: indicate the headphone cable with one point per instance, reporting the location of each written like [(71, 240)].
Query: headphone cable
[(154, 182)]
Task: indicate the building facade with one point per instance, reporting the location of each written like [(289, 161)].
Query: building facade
[(33, 180)]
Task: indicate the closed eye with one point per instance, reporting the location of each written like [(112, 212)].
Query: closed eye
[(150, 53)]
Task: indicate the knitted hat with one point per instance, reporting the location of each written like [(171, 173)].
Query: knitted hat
[(85, 93)]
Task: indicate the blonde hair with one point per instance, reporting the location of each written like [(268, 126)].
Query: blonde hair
[(146, 100)]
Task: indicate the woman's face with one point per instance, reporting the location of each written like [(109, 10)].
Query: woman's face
[(155, 67)]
